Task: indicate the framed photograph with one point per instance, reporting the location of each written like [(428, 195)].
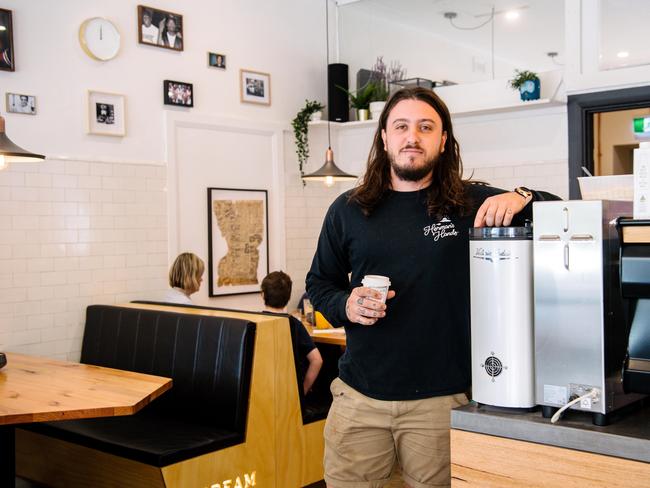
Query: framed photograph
[(255, 87), (6, 41), (106, 115), (178, 93), (17, 103), (238, 240), (216, 60), (160, 28)]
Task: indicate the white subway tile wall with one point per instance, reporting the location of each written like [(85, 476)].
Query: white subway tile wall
[(75, 233), (305, 208), (551, 176)]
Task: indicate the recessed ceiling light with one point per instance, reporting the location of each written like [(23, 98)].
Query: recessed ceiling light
[(623, 54), (512, 15)]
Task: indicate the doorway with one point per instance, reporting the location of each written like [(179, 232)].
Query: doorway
[(592, 119)]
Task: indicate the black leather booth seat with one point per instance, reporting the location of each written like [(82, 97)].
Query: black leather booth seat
[(315, 406), (209, 360)]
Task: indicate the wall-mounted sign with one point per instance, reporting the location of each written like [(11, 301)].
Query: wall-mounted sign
[(641, 126)]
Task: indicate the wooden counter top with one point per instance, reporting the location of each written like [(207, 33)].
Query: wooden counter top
[(628, 437)]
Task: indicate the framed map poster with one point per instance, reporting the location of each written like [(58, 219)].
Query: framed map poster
[(238, 240)]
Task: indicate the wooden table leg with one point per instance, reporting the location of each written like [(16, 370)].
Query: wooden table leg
[(7, 456)]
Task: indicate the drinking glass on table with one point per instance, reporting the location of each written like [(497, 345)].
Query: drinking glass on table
[(308, 311)]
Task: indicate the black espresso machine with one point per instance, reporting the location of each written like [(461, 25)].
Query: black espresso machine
[(635, 287)]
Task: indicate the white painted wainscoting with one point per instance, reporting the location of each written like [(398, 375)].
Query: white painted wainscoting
[(204, 152)]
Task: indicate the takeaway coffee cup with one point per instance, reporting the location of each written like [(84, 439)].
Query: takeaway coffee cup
[(379, 283)]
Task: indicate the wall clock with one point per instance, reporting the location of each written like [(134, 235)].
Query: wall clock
[(99, 38)]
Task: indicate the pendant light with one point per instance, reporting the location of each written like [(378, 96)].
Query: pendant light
[(11, 153), (329, 172)]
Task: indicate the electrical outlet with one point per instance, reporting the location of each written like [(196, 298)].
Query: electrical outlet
[(576, 391)]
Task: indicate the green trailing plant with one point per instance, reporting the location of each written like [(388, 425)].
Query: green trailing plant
[(361, 99), (301, 130), (522, 77)]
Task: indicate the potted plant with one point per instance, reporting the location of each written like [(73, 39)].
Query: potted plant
[(382, 76), (527, 82), (301, 128), (360, 100)]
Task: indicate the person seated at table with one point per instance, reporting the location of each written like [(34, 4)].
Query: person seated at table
[(185, 277), (276, 291)]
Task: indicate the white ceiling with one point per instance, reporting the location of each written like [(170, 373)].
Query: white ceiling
[(524, 42)]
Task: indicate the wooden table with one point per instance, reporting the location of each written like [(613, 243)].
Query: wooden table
[(36, 389), (328, 336), (324, 336)]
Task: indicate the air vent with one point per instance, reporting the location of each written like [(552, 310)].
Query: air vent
[(493, 366)]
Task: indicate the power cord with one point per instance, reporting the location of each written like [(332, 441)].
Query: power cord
[(593, 394)]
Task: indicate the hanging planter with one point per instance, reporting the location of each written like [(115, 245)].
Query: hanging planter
[(528, 84), (301, 130)]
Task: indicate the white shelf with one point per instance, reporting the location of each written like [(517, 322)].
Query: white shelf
[(514, 107), (352, 124)]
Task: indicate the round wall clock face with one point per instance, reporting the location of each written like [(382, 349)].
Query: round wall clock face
[(99, 38)]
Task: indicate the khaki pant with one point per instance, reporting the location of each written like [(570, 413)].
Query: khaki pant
[(365, 438)]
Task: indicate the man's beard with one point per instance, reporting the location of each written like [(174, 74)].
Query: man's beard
[(410, 173)]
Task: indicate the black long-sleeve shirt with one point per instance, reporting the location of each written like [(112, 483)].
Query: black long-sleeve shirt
[(422, 347)]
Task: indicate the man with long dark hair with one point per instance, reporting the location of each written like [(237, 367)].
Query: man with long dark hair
[(406, 363)]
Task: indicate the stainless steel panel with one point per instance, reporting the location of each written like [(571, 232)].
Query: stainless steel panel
[(568, 298)]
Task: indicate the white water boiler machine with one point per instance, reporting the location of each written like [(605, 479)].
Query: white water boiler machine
[(501, 295)]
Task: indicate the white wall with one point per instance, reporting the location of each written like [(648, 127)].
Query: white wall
[(422, 53), (90, 224), (582, 30), (520, 148), (274, 37), (223, 153)]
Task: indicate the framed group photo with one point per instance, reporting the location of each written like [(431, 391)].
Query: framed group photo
[(160, 28), (178, 93), (106, 115), (6, 41), (17, 103), (255, 87), (238, 240)]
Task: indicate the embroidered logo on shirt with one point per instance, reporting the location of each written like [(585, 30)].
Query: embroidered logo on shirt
[(439, 230)]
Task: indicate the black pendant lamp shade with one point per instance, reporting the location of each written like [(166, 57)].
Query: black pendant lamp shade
[(329, 172), (11, 153)]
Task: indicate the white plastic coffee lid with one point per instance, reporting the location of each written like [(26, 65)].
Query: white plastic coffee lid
[(375, 280)]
